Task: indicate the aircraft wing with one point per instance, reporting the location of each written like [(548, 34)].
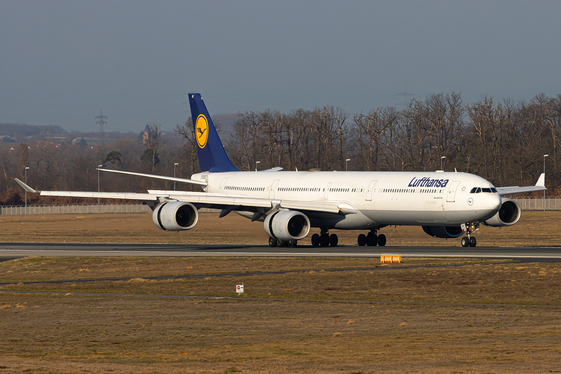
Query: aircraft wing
[(101, 195), (540, 186), (226, 201), (203, 199)]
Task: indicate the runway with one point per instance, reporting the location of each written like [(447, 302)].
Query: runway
[(15, 250)]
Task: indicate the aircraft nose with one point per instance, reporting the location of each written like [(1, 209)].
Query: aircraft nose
[(489, 202), (495, 201)]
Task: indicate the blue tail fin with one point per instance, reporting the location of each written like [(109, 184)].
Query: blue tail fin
[(212, 156)]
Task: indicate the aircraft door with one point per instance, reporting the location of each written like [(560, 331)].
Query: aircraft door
[(451, 197), (326, 195), (273, 189), (370, 190)]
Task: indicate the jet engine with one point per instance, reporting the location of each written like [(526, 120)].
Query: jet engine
[(287, 225), (508, 214), (175, 216), (444, 231)]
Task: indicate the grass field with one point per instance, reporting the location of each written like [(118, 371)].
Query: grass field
[(297, 315), (311, 315), (534, 228)]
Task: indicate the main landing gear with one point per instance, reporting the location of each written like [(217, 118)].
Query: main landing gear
[(468, 240), (274, 242), (371, 239), (324, 240)]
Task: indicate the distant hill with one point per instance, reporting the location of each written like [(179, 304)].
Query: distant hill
[(21, 130), (107, 135)]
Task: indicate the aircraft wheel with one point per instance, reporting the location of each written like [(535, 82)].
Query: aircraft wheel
[(324, 240), (315, 240), (472, 242), (333, 240), (294, 243), (371, 239), (381, 240), (465, 241), (283, 243), (272, 242), (361, 240)]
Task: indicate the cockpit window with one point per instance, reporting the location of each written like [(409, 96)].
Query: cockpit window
[(484, 189)]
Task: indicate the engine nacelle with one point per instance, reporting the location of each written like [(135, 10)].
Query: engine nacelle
[(445, 232), (287, 225), (175, 216), (509, 213)]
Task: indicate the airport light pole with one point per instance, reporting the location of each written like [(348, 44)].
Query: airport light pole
[(347, 164), (257, 162), (98, 189), (544, 156), (174, 165), (441, 161), (25, 172)]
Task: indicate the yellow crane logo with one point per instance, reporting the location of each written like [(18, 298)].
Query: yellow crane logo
[(201, 131)]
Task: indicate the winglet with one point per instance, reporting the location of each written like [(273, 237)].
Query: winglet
[(26, 187), (541, 180)]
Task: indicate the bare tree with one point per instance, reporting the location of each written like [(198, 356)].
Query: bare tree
[(153, 142)]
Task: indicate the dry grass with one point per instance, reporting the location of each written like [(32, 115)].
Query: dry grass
[(534, 228), (409, 317), (471, 283), (55, 268), (307, 320)]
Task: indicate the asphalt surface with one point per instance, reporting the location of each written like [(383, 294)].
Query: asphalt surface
[(16, 250)]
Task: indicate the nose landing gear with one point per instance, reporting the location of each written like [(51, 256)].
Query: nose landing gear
[(468, 240)]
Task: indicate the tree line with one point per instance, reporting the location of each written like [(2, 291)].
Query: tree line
[(502, 141)]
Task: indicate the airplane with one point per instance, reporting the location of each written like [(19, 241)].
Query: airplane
[(290, 203)]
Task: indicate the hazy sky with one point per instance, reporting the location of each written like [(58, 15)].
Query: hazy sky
[(63, 61)]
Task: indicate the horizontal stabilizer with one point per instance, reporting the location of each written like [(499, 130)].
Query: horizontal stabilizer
[(173, 179)]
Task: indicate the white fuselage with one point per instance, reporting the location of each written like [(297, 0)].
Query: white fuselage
[(379, 198)]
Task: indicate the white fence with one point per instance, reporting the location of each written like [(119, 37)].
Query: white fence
[(83, 209), (75, 209), (551, 203)]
